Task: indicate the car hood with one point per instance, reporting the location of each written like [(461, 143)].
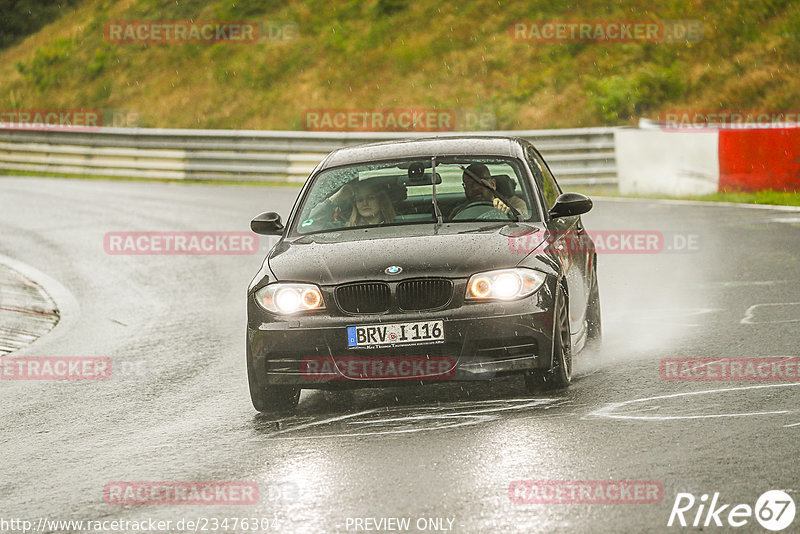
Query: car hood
[(454, 251)]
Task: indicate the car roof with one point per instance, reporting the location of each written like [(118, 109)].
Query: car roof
[(463, 145)]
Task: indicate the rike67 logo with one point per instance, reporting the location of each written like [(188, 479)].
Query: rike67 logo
[(774, 510)]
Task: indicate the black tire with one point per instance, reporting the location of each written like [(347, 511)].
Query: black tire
[(594, 322), (269, 399), (559, 375)]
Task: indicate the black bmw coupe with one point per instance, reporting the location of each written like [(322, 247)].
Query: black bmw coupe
[(449, 258)]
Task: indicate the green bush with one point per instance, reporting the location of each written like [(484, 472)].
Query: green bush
[(385, 8), (790, 31), (619, 98), (98, 63), (42, 71)]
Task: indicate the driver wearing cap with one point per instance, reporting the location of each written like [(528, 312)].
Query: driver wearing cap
[(475, 192)]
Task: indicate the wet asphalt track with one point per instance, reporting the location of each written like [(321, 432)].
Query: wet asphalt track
[(177, 407)]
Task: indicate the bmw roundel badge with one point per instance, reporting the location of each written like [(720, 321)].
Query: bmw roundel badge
[(393, 269)]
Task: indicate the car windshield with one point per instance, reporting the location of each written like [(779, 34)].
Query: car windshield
[(401, 192)]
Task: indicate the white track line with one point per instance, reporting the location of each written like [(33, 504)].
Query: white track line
[(606, 411)]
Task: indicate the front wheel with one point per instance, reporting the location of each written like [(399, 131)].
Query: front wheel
[(560, 374), (271, 398)]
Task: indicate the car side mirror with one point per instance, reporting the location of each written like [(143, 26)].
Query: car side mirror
[(268, 223), (570, 204)]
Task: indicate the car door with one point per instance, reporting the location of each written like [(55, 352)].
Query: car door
[(570, 244)]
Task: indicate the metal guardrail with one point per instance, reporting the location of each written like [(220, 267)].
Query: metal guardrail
[(576, 156)]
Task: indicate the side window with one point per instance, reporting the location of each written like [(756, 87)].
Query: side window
[(544, 179)]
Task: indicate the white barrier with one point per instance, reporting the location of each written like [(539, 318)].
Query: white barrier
[(675, 163)]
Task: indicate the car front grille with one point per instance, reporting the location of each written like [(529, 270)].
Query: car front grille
[(424, 294), (411, 295), (373, 297)]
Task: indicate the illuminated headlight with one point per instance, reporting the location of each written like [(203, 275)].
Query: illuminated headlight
[(506, 284), (290, 298)]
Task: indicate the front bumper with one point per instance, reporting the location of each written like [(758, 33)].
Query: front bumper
[(482, 340)]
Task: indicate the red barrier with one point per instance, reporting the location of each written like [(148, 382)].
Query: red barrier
[(752, 160)]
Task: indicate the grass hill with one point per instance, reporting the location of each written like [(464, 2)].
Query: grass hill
[(399, 54)]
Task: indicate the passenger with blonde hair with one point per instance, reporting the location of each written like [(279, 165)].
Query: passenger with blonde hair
[(371, 206), (367, 202)]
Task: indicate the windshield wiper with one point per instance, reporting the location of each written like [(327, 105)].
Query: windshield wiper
[(436, 209), (506, 200)]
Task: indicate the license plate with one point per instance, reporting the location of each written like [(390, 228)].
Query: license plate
[(395, 334)]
